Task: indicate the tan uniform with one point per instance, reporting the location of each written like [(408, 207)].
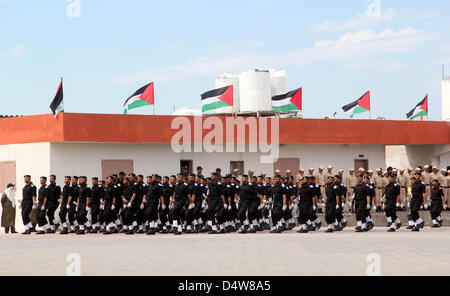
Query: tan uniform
[(327, 174), (402, 182), (8, 213), (299, 177), (444, 183), (378, 181), (350, 183), (320, 179), (408, 184), (448, 189), (426, 178)]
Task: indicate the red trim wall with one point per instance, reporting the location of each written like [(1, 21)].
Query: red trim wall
[(99, 128)]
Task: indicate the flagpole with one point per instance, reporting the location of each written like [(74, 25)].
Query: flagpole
[(154, 112)]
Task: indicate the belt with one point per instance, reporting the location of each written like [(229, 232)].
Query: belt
[(353, 187), (403, 187), (379, 187)]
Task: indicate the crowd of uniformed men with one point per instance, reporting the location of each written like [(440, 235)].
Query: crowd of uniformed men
[(192, 203)]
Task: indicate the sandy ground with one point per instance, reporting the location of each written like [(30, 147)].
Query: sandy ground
[(345, 253)]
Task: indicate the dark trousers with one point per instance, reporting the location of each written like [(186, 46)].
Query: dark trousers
[(72, 213), (414, 207), (435, 209), (212, 207), (63, 212), (361, 210), (306, 211), (81, 214), (130, 215), (197, 210), (391, 209), (277, 213), (330, 213), (253, 209), (52, 206), (164, 215), (177, 210), (151, 211), (108, 213), (26, 210), (95, 213), (41, 219), (242, 212)]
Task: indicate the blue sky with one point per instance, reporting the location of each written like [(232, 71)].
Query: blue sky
[(335, 50)]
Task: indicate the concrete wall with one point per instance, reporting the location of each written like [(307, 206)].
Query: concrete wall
[(436, 155), (311, 155), (86, 159), (446, 99), (31, 159), (397, 157)]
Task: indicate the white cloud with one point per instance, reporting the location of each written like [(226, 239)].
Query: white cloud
[(360, 21), (362, 46), (15, 52)]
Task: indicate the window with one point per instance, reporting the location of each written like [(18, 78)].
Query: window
[(186, 164), (237, 165)]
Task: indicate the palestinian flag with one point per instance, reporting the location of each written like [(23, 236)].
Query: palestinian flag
[(218, 98), (145, 96), (420, 110), (57, 104), (292, 101), (360, 106)]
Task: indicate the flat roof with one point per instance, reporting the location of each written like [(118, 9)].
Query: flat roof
[(109, 128)]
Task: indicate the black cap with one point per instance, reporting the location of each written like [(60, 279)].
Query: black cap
[(10, 185), (95, 178), (199, 168), (75, 177), (244, 176), (218, 170), (67, 177), (27, 176), (121, 174), (141, 176), (132, 175)]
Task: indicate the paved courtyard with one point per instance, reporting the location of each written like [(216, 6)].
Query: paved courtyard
[(346, 253)]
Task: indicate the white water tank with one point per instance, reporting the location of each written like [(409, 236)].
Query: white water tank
[(227, 80), (279, 82), (255, 91)]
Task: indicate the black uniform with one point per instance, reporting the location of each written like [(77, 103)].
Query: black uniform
[(73, 205), (392, 191), (436, 202), (110, 195), (154, 193), (342, 192), (54, 193), (278, 191), (417, 191), (138, 212), (215, 205), (247, 193), (98, 192), (42, 195), (84, 193), (306, 193), (128, 192), (28, 192), (361, 193), (180, 192), (66, 193), (167, 192), (331, 192)]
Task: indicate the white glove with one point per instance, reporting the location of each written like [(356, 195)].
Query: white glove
[(445, 207), (67, 206), (261, 206), (225, 206), (397, 205), (284, 208), (113, 207), (229, 208), (368, 207), (337, 207), (383, 207), (43, 208), (142, 206), (163, 207), (87, 209), (314, 208), (191, 206), (129, 205), (374, 208), (102, 207), (426, 207), (343, 205), (170, 206)]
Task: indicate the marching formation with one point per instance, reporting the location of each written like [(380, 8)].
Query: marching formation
[(191, 203)]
